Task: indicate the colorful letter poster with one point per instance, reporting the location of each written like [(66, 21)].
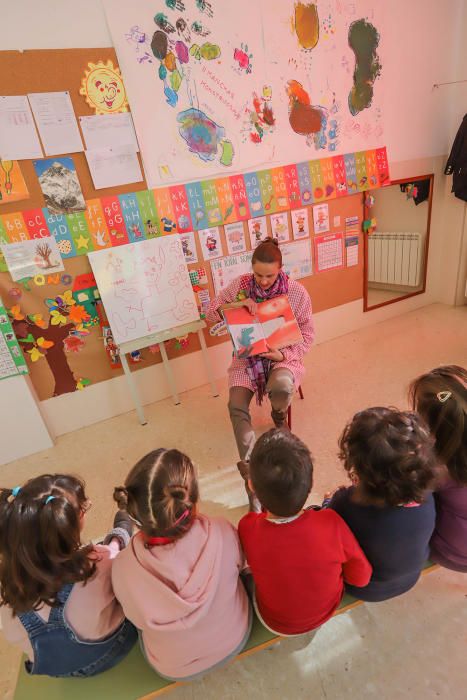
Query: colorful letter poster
[(329, 252), (300, 224)]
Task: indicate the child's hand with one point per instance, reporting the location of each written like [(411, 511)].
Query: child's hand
[(251, 305)]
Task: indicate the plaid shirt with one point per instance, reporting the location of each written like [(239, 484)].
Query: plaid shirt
[(293, 354)]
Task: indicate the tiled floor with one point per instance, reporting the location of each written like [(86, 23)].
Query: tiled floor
[(411, 647)]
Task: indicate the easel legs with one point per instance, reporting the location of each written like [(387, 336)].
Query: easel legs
[(204, 351), (169, 374), (133, 389)]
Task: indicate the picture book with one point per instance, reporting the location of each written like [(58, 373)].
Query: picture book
[(273, 327)]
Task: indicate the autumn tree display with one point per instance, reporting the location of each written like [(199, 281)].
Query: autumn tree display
[(52, 339)]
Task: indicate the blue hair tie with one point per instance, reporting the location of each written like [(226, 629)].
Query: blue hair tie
[(15, 491), (49, 498)]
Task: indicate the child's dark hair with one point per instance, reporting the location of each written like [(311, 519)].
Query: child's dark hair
[(281, 471), (161, 493), (40, 541), (392, 454), (440, 397), (268, 251)]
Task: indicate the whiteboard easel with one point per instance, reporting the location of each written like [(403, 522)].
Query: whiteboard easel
[(159, 339)]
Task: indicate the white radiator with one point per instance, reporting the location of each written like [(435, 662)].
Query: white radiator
[(395, 258)]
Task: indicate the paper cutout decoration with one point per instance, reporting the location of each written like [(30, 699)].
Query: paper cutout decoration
[(39, 256), (46, 339), (60, 185), (12, 185), (103, 89)]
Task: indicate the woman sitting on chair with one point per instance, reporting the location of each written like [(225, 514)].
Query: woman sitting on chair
[(277, 373)]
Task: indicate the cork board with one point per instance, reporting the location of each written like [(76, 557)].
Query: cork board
[(63, 69)]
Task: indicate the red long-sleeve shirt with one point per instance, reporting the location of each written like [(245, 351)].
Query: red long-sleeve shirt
[(299, 567)]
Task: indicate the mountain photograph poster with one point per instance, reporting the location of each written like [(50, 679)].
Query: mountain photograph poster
[(60, 185)]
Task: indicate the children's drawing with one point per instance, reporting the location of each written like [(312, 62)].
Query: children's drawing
[(183, 66), (306, 24), (34, 257), (363, 40), (12, 185), (103, 89), (60, 185), (145, 287), (260, 120)]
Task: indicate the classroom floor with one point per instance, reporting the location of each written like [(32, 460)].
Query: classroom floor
[(410, 647)]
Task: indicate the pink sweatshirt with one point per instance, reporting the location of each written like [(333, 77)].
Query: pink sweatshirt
[(92, 611), (185, 597)]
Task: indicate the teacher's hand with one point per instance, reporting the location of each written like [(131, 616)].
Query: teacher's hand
[(274, 355), (251, 305)]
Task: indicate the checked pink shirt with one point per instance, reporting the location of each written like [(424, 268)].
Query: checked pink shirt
[(301, 304)]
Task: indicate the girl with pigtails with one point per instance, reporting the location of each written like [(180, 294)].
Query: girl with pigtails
[(56, 597), (178, 580)]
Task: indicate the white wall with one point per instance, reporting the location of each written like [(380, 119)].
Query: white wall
[(424, 44)]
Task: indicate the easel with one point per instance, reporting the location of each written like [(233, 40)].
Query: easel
[(159, 339)]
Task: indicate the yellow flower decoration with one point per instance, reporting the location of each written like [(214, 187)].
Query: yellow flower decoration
[(57, 319)]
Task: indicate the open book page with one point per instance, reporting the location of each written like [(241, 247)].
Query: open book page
[(273, 327)]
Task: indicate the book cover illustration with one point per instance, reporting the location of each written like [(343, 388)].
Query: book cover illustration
[(273, 327)]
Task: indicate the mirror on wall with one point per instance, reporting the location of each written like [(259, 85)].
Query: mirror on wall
[(396, 246)]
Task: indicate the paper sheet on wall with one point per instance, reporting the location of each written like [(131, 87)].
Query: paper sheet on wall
[(351, 251), (145, 287), (18, 135), (225, 270), (108, 130), (35, 257), (56, 122), (296, 259), (114, 166)]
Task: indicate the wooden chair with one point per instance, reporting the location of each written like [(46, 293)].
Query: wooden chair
[(289, 410)]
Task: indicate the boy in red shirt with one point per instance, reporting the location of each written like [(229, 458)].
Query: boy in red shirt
[(299, 558)]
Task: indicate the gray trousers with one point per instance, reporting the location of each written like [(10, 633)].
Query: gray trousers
[(280, 389)]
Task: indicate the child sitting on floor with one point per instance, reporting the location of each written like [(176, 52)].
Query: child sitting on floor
[(57, 597), (299, 558), (440, 397), (389, 457), (178, 581)]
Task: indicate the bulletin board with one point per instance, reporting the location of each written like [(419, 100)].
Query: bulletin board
[(87, 358)]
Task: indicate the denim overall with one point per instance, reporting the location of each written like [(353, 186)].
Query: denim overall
[(58, 652)]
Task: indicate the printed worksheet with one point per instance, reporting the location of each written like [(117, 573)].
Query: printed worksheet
[(56, 121), (101, 130), (18, 135), (329, 252)]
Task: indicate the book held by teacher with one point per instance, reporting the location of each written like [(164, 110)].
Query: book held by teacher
[(273, 327)]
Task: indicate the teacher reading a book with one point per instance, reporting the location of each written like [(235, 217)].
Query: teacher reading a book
[(276, 373)]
